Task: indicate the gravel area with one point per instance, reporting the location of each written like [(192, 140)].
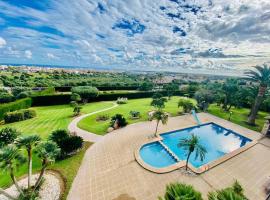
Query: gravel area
[(50, 189)]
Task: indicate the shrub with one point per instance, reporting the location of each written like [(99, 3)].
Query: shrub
[(181, 191), (8, 136), (122, 100), (12, 106), (146, 86), (71, 144), (186, 104), (15, 116), (77, 110), (102, 117), (23, 95), (20, 115), (135, 114), (29, 113), (235, 192), (67, 143), (75, 97), (85, 92), (118, 120), (6, 98)]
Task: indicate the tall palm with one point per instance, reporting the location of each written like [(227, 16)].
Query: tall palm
[(10, 158), (159, 115), (47, 151), (261, 76), (192, 144), (29, 142)]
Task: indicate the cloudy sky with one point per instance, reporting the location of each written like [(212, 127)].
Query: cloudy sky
[(211, 36)]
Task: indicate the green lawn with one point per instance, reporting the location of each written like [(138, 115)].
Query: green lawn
[(50, 118), (141, 105), (239, 116)]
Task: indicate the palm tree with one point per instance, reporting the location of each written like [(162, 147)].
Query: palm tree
[(28, 142), (47, 151), (193, 144), (262, 77), (181, 191), (10, 158), (159, 115)]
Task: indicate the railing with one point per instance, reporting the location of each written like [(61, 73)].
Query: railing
[(169, 151)]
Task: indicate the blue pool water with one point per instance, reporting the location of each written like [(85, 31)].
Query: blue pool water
[(217, 140)]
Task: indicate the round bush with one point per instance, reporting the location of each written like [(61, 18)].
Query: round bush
[(85, 92), (6, 98)]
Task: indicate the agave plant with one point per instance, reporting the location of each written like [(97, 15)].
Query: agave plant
[(181, 191)]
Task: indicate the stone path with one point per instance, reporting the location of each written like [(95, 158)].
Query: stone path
[(87, 136)]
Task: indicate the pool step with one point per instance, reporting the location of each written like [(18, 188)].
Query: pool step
[(169, 151)]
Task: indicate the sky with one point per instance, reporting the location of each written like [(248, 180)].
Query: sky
[(197, 36)]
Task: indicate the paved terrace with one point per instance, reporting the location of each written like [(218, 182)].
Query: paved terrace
[(109, 169)]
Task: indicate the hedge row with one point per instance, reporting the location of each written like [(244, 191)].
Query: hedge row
[(102, 88), (19, 115), (65, 98), (16, 105)]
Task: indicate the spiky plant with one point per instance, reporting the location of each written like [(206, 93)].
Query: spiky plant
[(181, 191)]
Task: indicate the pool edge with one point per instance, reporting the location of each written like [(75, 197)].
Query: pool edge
[(182, 163)]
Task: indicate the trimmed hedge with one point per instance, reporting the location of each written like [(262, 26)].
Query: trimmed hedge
[(19, 115), (101, 88), (16, 105), (66, 98)]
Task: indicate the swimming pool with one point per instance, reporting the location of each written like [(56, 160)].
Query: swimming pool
[(217, 140)]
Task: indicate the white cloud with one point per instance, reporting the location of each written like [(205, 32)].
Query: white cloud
[(28, 54), (80, 32), (51, 56), (2, 42)]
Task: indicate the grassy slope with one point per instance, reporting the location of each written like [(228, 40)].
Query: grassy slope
[(142, 105), (239, 116), (50, 118)]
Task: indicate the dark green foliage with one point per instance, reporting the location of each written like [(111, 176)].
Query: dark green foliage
[(19, 115), (181, 191), (12, 106), (146, 86), (158, 101), (85, 92), (77, 110), (67, 143), (65, 98), (119, 120), (171, 88), (102, 117), (18, 90), (71, 144), (29, 113), (236, 192), (23, 95), (8, 136), (6, 97), (75, 97), (186, 104), (135, 114), (204, 97)]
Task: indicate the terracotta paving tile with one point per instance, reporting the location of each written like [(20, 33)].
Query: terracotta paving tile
[(109, 168)]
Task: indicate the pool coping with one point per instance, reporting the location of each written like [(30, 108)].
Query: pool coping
[(182, 163)]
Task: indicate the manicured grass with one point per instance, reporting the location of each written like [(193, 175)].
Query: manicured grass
[(239, 116), (142, 105), (50, 118)]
